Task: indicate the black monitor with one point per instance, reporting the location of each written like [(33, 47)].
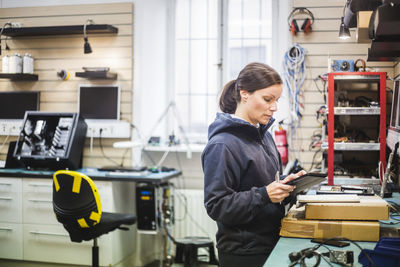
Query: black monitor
[(14, 104), (99, 101)]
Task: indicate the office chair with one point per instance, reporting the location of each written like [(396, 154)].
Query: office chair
[(76, 204)]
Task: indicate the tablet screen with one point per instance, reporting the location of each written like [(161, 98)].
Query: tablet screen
[(308, 177), (306, 181)]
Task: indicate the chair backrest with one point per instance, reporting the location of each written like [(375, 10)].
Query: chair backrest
[(76, 200)]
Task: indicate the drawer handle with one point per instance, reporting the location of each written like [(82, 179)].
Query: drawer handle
[(40, 200), (47, 233), (41, 185), (5, 229), (8, 184), (5, 198)]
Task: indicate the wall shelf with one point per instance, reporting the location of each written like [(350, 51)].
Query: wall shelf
[(357, 111), (59, 30), (19, 76), (97, 75)]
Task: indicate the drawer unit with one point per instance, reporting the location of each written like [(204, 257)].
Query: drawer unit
[(11, 200), (37, 201), (51, 243), (11, 241)]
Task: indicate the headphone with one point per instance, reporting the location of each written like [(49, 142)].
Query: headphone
[(306, 27), (363, 65)]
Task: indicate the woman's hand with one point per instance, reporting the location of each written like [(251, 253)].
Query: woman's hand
[(293, 176), (277, 191)]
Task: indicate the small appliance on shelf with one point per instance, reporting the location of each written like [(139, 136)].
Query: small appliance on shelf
[(97, 73)]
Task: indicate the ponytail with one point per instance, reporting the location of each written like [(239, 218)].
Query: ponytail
[(228, 100)]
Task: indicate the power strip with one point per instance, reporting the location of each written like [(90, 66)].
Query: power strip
[(109, 129), (10, 127)]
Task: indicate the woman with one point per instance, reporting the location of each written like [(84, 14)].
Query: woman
[(241, 165)]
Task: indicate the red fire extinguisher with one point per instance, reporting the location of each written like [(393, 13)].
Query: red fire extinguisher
[(281, 144)]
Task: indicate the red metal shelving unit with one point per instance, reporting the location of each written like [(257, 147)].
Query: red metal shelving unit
[(380, 79)]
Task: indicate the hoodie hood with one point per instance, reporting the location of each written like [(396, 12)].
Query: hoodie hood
[(224, 122)]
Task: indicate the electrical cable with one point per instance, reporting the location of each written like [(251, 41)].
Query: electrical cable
[(293, 77), (102, 150), (191, 218), (299, 257), (1, 33), (354, 243), (4, 142)]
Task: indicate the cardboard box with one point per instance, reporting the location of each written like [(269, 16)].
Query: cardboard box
[(362, 34), (294, 225), (369, 208)]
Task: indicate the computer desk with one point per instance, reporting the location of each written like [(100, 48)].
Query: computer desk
[(286, 245)]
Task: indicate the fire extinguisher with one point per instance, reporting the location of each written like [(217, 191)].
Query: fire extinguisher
[(281, 144)]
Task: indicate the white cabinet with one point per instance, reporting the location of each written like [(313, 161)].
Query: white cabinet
[(11, 241), (37, 201), (51, 243), (30, 231), (11, 218), (10, 200)]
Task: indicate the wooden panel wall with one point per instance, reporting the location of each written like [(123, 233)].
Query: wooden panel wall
[(53, 53), (323, 43)]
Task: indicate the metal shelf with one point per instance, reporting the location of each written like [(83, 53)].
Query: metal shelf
[(357, 111), (19, 76), (59, 30), (358, 78), (97, 75), (353, 146)]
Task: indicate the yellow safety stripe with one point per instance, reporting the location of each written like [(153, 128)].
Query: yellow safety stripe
[(95, 216), (56, 184), (82, 223), (76, 186)]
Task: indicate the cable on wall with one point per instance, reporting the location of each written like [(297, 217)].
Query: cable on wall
[(293, 78)]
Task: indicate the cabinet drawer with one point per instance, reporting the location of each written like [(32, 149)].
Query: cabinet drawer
[(51, 243), (11, 241), (106, 195), (11, 200), (38, 201)]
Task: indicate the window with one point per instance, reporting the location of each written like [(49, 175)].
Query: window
[(207, 54)]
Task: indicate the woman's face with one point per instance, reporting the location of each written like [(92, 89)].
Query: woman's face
[(260, 105)]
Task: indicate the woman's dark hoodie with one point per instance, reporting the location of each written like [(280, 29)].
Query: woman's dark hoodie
[(239, 161)]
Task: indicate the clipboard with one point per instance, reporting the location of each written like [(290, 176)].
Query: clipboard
[(307, 181)]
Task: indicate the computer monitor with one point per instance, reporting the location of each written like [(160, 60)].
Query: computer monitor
[(14, 104), (394, 126), (99, 101)]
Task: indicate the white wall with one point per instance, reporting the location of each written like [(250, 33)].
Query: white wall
[(150, 54), (150, 79)]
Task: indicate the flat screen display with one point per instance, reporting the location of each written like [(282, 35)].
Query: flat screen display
[(99, 101), (14, 104)]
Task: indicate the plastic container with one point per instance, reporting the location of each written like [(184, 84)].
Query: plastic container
[(27, 64), (15, 63), (5, 64), (385, 253), (380, 258)]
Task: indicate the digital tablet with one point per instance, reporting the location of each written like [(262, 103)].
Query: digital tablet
[(307, 181)]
